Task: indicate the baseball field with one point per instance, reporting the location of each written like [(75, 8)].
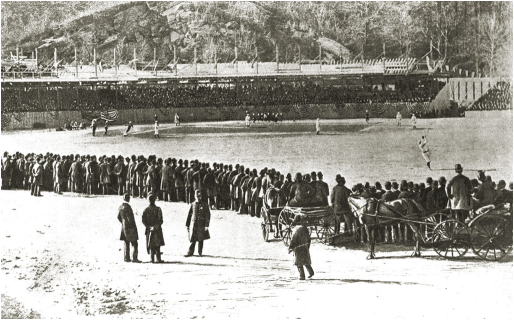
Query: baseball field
[(61, 254)]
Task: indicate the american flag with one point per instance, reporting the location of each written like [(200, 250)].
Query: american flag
[(109, 115)]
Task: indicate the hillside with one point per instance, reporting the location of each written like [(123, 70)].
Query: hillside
[(462, 33)]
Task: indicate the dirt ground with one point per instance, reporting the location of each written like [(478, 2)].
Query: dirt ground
[(61, 255)]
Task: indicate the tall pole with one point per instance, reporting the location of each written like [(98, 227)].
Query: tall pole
[(175, 59), (196, 66), (384, 57), (216, 60), (276, 53), (256, 60), (320, 57), (115, 67), (300, 57), (94, 58), (431, 57), (154, 53), (135, 62), (236, 59), (76, 64), (55, 59), (37, 67), (17, 53)]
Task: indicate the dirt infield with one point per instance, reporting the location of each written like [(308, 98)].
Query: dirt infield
[(61, 255)]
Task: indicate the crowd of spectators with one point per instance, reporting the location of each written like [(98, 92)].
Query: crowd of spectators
[(135, 96), (498, 97), (226, 186)]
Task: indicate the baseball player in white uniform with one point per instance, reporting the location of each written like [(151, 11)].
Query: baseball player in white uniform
[(398, 119), (413, 120), (247, 120), (156, 133), (424, 150)]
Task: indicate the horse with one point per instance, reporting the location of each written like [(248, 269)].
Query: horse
[(373, 213)]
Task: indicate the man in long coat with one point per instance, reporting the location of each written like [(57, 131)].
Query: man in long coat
[(459, 190), (300, 244), (128, 229), (340, 205), (105, 175), (197, 223), (301, 192), (152, 219), (257, 193), (118, 171), (166, 180), (74, 174), (37, 174)]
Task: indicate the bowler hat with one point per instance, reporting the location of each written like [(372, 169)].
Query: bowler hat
[(458, 168), (338, 177), (126, 197)]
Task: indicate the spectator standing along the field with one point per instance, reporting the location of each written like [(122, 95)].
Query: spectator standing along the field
[(459, 192)]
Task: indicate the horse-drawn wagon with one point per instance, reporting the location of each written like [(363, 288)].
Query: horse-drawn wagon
[(488, 234), (280, 220)]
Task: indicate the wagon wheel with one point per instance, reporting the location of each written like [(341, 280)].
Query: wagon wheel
[(326, 229), (285, 221), (427, 230), (491, 237), (451, 239), (265, 226)]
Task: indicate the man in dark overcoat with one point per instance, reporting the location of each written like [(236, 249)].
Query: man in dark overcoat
[(152, 219), (197, 223), (340, 205), (300, 245), (459, 192), (128, 229)]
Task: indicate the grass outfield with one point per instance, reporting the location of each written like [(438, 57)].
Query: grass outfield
[(377, 152)]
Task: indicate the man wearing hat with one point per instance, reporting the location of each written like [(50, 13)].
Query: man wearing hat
[(395, 189), (301, 192), (198, 219), (408, 193), (389, 195), (257, 193), (37, 174), (340, 205), (459, 192), (152, 219), (118, 171), (442, 198), (128, 229), (300, 245)]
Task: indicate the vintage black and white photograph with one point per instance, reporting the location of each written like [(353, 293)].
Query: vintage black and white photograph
[(256, 160)]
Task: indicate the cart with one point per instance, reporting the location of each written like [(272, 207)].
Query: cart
[(280, 220), (488, 235)]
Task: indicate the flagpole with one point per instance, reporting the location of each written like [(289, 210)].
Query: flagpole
[(94, 58), (76, 64)]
